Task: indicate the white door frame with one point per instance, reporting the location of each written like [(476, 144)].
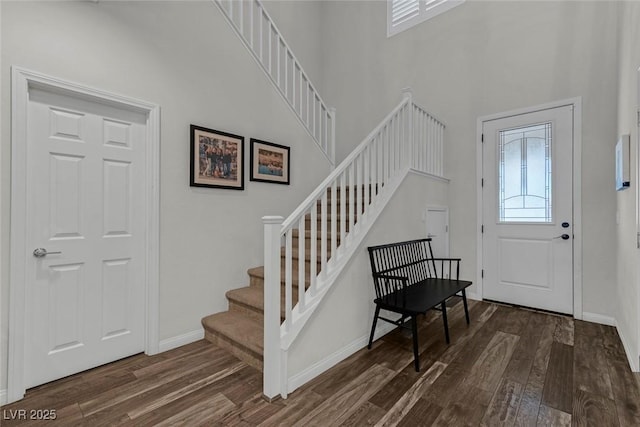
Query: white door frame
[(444, 209), (635, 359), (22, 82), (576, 103)]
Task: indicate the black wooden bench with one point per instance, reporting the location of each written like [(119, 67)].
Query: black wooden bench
[(409, 281)]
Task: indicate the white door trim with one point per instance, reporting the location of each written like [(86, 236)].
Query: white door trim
[(22, 82), (577, 192), (444, 209)]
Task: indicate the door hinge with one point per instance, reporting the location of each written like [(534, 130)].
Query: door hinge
[(482, 228), (482, 138), (638, 118), (482, 273), (481, 182)]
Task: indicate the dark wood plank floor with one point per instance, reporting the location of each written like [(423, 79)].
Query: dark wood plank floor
[(509, 367)]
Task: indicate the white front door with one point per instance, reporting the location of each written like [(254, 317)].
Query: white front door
[(527, 217), (438, 230), (85, 298)]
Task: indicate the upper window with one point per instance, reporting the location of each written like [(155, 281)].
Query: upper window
[(404, 14)]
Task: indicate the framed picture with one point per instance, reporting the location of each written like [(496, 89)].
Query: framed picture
[(217, 159), (269, 162)]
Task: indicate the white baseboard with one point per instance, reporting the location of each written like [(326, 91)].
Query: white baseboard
[(633, 360), (3, 397), (474, 296), (599, 318), (180, 340), (335, 358), (611, 321)]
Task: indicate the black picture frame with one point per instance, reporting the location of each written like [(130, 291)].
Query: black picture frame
[(270, 162), (217, 159)]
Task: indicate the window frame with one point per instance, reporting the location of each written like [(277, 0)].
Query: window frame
[(423, 15)]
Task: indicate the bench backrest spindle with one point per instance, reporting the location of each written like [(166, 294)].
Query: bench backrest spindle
[(402, 264)]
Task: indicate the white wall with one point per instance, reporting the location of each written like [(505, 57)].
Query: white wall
[(184, 57), (627, 201), (302, 26), (348, 307), (483, 58)]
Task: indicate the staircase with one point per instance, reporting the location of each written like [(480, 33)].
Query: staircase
[(315, 243), (240, 328)]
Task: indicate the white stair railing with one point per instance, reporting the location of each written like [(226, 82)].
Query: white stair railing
[(408, 138), (259, 34)]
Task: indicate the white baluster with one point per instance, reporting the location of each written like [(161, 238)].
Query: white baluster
[(441, 154), (352, 199), (270, 48), (332, 148), (322, 126), (323, 234), (343, 208), (359, 185), (386, 153), (313, 248), (367, 178), (392, 144), (374, 166), (301, 264), (315, 115), (251, 17), (279, 61), (334, 220), (286, 74), (300, 83), (261, 33), (241, 15), (293, 84), (288, 280), (432, 146)]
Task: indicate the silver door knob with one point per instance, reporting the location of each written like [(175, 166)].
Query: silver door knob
[(42, 252), (431, 235)]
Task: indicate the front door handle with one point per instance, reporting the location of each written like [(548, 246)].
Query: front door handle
[(563, 237)]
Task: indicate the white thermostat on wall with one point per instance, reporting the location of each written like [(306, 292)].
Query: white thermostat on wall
[(622, 163)]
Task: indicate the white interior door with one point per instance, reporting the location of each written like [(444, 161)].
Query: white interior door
[(85, 272), (438, 230), (527, 213)]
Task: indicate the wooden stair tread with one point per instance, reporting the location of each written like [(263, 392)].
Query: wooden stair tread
[(236, 327)]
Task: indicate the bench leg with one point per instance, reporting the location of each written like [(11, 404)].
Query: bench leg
[(444, 320), (466, 308), (414, 332), (373, 327)]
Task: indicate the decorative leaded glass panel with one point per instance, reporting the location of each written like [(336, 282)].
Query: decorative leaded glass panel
[(524, 174)]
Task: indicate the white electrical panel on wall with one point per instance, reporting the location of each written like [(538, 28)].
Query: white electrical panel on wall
[(622, 163)]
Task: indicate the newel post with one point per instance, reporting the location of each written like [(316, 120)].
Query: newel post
[(409, 143), (271, 358)]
